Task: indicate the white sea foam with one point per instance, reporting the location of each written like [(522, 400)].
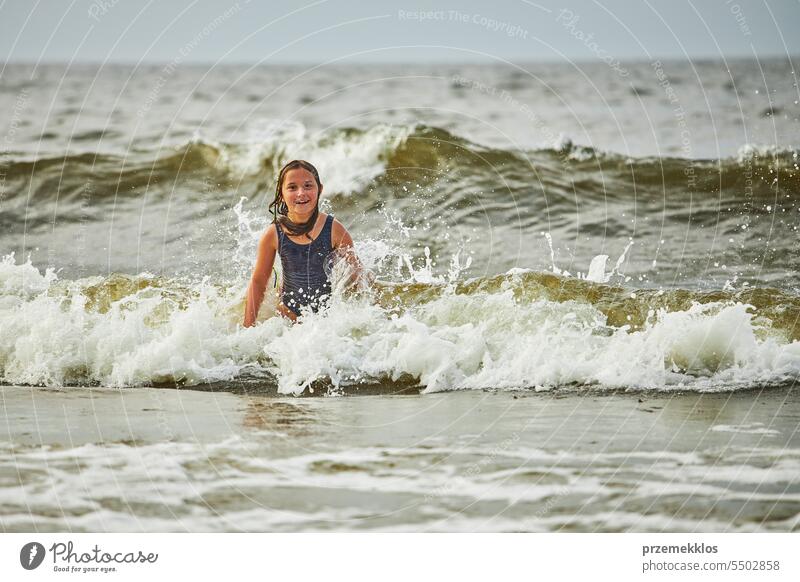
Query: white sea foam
[(347, 159), (23, 280), (491, 341), (751, 151), (230, 484), (166, 332), (749, 428), (53, 333)]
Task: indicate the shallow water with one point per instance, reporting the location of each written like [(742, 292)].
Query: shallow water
[(180, 460)]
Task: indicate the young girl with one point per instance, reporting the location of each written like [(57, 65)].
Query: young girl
[(305, 238)]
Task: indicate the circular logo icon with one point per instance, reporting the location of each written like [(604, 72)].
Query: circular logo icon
[(31, 555)]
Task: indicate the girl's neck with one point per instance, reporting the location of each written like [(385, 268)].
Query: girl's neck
[(301, 219)]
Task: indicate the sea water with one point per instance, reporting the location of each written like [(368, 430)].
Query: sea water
[(544, 263)]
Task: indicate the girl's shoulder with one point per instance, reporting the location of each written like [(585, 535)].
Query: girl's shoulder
[(339, 234), (336, 226), (270, 236)]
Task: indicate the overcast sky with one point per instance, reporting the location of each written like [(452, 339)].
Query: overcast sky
[(269, 31)]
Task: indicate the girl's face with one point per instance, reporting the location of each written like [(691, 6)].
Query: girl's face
[(300, 192)]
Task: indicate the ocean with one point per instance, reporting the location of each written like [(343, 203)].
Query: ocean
[(586, 314)]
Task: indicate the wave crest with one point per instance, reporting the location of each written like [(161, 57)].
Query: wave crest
[(513, 331), (351, 160)]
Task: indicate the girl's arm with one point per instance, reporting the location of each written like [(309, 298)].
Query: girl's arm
[(265, 259)]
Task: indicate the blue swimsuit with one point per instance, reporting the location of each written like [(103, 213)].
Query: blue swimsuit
[(305, 269)]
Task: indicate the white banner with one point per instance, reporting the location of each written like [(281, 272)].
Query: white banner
[(401, 557)]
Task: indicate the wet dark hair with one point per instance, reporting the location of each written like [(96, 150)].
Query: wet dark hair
[(279, 210)]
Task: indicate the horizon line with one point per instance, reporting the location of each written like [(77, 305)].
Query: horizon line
[(340, 62)]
